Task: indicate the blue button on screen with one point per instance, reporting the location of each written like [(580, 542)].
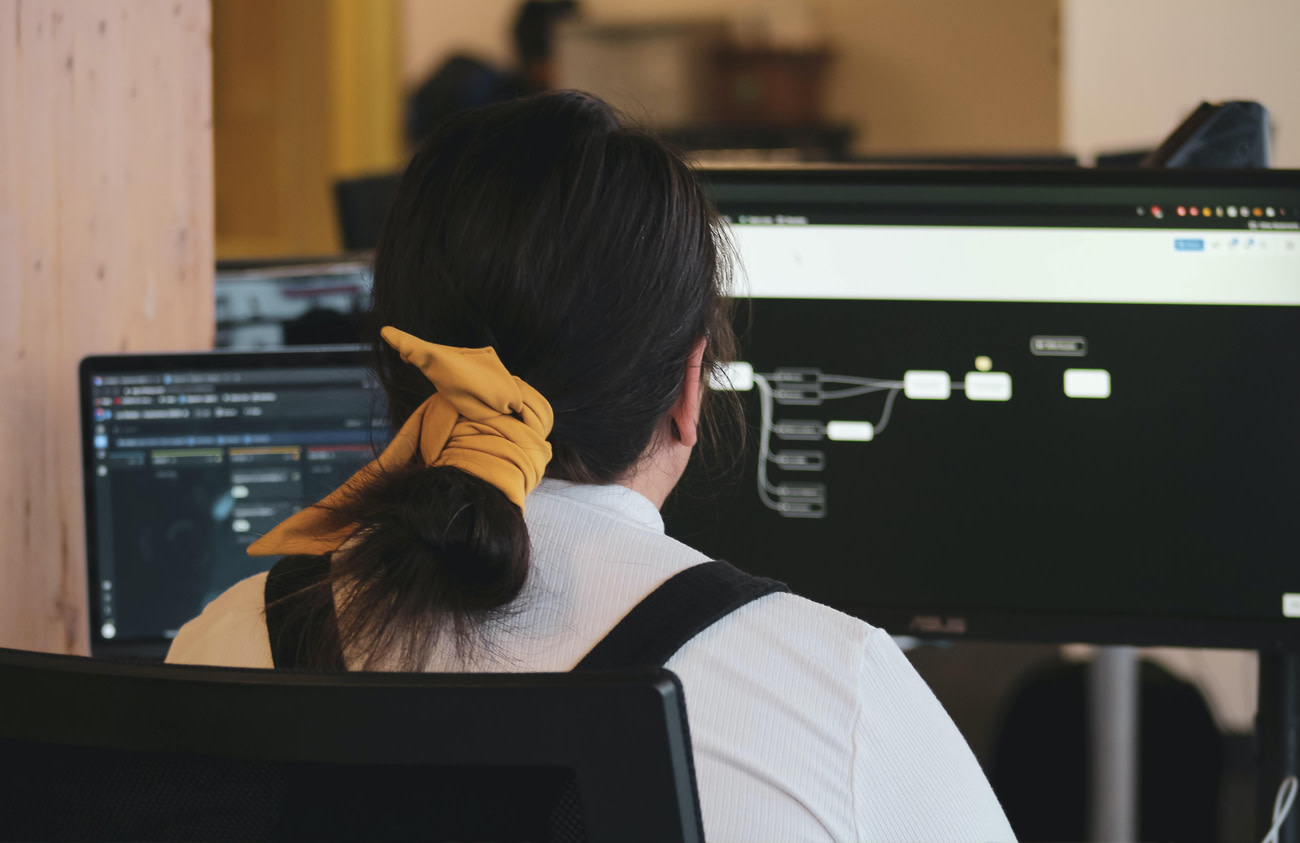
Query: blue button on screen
[(1191, 244)]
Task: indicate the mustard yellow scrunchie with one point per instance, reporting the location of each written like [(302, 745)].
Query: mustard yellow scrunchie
[(482, 420)]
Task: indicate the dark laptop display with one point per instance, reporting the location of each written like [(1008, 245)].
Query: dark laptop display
[(190, 458)]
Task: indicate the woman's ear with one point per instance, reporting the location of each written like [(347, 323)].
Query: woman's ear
[(685, 412)]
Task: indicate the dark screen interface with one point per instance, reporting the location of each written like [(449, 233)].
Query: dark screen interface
[(191, 467), (1085, 414)]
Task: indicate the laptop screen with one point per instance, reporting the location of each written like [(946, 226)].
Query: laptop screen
[(190, 458)]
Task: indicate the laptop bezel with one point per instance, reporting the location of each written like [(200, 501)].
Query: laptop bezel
[(93, 366)]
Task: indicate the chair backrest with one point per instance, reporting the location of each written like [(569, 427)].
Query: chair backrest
[(105, 750), (362, 204)]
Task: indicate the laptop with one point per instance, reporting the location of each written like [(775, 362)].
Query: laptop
[(189, 458)]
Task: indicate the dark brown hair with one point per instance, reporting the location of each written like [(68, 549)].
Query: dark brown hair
[(588, 256)]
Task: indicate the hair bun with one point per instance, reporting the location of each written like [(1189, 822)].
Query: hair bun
[(469, 529), (432, 545)]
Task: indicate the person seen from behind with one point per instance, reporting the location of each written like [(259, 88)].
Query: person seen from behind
[(550, 301)]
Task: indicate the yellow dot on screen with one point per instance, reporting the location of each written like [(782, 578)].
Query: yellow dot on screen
[(983, 363)]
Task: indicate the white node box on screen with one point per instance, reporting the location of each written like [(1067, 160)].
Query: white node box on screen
[(1087, 383), (850, 431), (925, 385), (737, 376), (988, 386)]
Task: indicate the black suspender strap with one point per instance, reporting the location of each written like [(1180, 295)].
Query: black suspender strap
[(296, 629), (674, 613)]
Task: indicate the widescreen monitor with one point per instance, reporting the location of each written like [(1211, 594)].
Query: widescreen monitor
[(1029, 405), (189, 458)]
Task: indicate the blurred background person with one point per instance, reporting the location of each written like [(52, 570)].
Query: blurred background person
[(466, 81)]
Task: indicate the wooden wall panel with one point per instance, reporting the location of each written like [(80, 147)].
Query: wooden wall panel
[(106, 245)]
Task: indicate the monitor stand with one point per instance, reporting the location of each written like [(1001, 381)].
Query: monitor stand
[(1113, 707), (1277, 738)]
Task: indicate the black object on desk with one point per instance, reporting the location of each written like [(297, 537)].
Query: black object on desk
[(1222, 135), (111, 751)]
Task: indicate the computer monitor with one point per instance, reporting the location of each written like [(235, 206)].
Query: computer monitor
[(1052, 405), (291, 302), (188, 458)]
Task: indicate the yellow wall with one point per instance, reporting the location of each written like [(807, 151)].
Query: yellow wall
[(305, 92), (105, 246), (910, 75)]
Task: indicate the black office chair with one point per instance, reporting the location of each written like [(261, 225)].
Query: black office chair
[(112, 751), (362, 204)]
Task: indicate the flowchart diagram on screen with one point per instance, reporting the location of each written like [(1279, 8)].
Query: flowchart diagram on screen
[(799, 452)]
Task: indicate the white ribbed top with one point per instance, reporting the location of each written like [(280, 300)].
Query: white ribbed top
[(806, 724)]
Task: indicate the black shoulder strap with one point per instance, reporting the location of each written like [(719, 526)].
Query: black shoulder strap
[(290, 625), (674, 613)]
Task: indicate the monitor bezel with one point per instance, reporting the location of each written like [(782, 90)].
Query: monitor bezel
[(972, 622), (995, 176), (103, 364)]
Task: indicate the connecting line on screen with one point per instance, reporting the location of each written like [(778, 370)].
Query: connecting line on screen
[(889, 410), (765, 489), (804, 499)]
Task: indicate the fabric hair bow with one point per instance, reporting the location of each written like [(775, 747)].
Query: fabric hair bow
[(482, 420)]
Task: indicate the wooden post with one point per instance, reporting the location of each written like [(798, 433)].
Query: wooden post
[(106, 245)]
